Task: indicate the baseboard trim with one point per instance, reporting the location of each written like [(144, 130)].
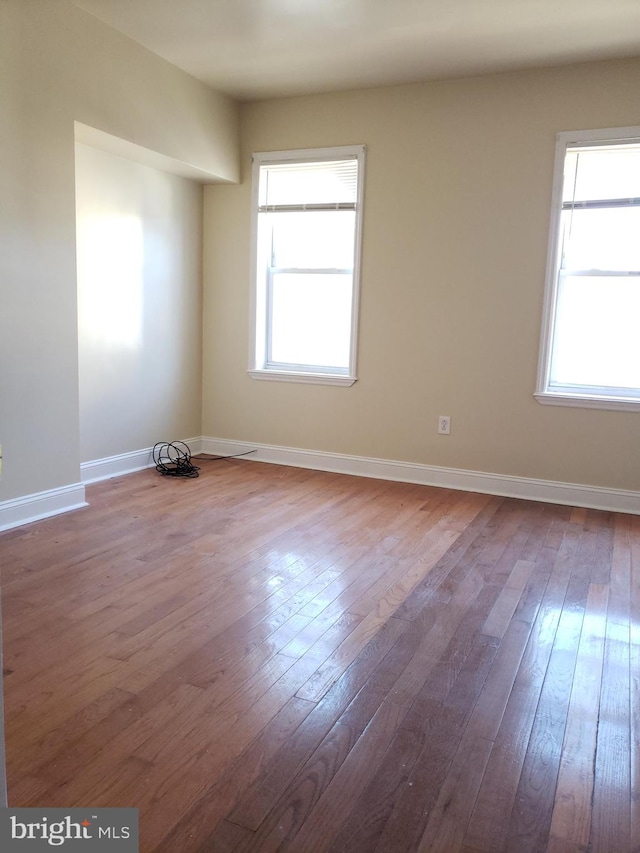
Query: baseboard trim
[(115, 466), (24, 510), (547, 491), (125, 463)]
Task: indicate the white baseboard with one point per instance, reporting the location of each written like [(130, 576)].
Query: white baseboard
[(548, 491), (115, 466), (125, 463), (23, 510), (15, 513)]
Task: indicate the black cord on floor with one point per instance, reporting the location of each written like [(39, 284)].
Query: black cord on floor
[(218, 458), (173, 459)]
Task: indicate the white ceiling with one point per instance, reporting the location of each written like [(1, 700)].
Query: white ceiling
[(264, 48)]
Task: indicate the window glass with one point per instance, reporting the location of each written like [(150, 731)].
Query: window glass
[(596, 340), (323, 239), (311, 317), (601, 239)]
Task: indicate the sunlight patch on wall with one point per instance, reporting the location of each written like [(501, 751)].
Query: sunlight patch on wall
[(110, 280)]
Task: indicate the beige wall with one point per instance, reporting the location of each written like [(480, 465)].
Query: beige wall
[(457, 204), (457, 199), (139, 242), (57, 65)]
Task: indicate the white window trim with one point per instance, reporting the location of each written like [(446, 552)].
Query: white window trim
[(302, 376), (587, 399), (257, 370)]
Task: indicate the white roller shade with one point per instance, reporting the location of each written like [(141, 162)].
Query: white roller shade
[(309, 186)]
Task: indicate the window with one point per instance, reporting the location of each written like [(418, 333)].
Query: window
[(590, 354), (306, 243)]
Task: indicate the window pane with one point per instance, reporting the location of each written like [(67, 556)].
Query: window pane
[(605, 172), (596, 340), (603, 239), (311, 319), (313, 240)]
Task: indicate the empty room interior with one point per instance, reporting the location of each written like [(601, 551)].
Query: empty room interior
[(320, 421)]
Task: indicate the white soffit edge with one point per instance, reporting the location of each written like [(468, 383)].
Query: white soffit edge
[(138, 154)]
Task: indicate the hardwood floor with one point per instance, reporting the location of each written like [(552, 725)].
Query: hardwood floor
[(269, 659)]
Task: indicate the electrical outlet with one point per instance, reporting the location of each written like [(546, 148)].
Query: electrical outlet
[(444, 424)]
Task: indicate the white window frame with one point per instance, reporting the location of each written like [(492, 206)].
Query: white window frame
[(592, 397), (259, 368)]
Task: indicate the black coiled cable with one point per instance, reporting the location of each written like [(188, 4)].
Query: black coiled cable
[(173, 459)]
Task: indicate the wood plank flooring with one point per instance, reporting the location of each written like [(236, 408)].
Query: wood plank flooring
[(268, 658)]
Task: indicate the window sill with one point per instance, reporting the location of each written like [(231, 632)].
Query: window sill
[(309, 378), (584, 401)]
